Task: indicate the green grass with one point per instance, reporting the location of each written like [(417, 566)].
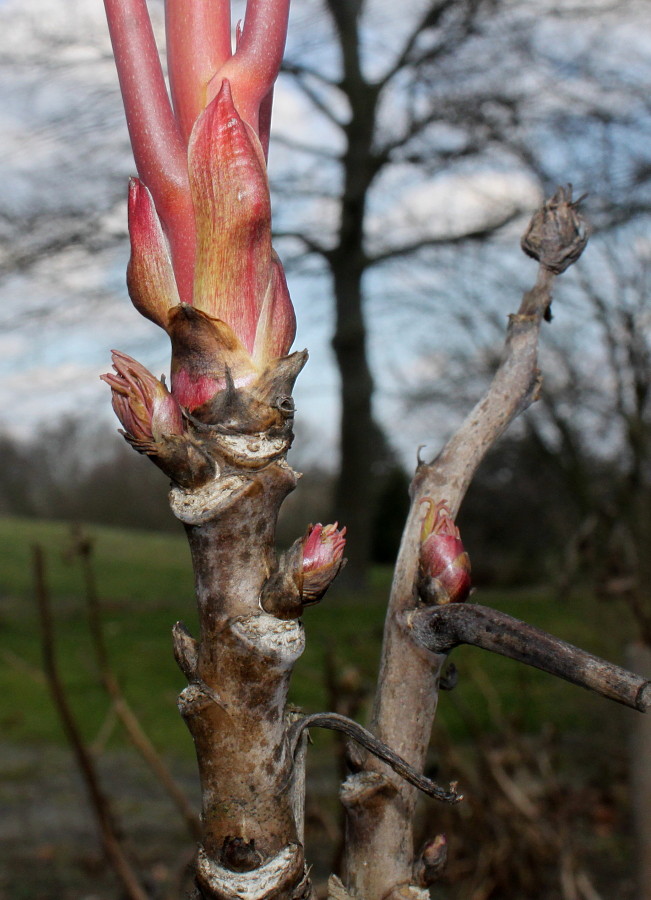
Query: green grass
[(145, 583)]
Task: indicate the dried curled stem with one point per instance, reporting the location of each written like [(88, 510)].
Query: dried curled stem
[(336, 722), (441, 628)]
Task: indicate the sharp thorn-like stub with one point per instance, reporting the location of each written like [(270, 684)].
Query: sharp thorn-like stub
[(278, 379), (186, 650)]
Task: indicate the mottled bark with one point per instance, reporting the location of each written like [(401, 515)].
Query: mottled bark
[(380, 854), (240, 665)]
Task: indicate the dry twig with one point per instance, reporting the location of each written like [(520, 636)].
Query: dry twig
[(109, 831)]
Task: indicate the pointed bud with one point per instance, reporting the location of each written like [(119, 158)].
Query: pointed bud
[(304, 572), (444, 564), (230, 191), (142, 403), (150, 276), (431, 861), (276, 327), (323, 550), (557, 233)]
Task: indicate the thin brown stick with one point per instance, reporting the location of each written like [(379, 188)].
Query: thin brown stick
[(441, 628), (22, 666), (335, 722), (121, 706), (109, 831)]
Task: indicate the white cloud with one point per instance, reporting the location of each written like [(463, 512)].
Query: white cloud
[(452, 205)]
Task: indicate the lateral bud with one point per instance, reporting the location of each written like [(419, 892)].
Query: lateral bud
[(305, 572), (322, 560), (153, 422), (444, 570), (186, 650), (431, 861)]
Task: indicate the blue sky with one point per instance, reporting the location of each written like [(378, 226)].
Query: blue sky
[(64, 157)]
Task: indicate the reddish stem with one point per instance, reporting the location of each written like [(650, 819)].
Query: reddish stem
[(158, 149), (198, 44), (254, 67)]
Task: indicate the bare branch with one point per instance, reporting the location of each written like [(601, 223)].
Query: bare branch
[(441, 628), (100, 803), (298, 69), (423, 243), (430, 19), (310, 244), (317, 102), (135, 732), (310, 149)]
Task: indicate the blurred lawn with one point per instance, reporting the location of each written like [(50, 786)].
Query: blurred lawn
[(145, 583)]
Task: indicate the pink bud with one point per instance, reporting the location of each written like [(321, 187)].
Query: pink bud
[(141, 402), (323, 549), (230, 192), (150, 276), (444, 563)]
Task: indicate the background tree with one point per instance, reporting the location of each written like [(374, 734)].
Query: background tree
[(462, 89)]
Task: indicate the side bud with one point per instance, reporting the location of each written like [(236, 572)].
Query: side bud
[(142, 403), (444, 573), (153, 423), (323, 551), (150, 276), (305, 572)]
